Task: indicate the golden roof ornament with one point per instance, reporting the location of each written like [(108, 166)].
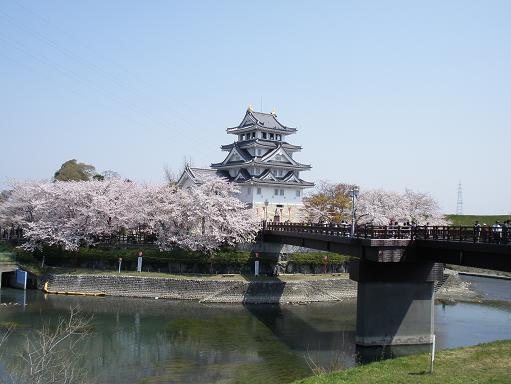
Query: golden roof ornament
[(250, 107), (274, 112)]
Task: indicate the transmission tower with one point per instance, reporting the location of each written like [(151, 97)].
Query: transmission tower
[(459, 205)]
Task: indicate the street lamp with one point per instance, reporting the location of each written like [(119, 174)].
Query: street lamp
[(353, 193)]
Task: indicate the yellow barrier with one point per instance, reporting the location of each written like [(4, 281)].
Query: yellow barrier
[(45, 290)]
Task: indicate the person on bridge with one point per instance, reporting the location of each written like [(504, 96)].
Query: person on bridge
[(477, 231), (506, 231), (497, 232)]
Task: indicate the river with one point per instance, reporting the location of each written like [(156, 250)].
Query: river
[(159, 341)]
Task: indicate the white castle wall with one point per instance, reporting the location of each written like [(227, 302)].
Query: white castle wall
[(288, 206)]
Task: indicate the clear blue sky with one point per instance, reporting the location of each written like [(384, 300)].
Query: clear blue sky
[(386, 94)]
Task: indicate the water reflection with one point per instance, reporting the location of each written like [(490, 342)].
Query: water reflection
[(158, 341)]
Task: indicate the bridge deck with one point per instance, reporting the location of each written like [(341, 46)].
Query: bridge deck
[(467, 246)]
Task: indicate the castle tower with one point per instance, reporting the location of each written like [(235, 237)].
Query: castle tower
[(261, 161)]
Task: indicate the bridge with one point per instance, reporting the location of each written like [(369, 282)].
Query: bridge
[(396, 269)]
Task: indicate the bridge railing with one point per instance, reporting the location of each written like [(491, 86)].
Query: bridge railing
[(480, 234), (445, 233)]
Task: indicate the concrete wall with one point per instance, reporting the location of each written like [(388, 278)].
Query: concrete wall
[(228, 291), (18, 279)]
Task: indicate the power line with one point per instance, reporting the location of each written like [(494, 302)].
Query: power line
[(125, 89)]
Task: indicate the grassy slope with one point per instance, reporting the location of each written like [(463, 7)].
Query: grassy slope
[(484, 363), (471, 219)]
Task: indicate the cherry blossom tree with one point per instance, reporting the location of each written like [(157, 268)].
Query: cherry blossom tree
[(421, 208), (19, 208), (70, 213), (73, 214), (380, 207), (204, 217)]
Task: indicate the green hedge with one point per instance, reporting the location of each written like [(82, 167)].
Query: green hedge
[(151, 255), (55, 255), (316, 258)]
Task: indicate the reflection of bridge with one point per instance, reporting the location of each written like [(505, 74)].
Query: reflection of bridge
[(396, 269)]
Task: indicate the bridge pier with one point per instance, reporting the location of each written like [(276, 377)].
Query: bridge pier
[(395, 302)]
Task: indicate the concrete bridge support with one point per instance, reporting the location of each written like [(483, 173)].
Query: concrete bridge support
[(395, 302)]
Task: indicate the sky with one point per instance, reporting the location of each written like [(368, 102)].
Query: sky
[(385, 94)]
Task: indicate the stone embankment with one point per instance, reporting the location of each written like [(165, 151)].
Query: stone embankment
[(452, 288), (207, 291)]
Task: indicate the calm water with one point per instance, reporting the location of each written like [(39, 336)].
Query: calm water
[(156, 341)]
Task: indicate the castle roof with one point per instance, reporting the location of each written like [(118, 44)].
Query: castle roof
[(238, 157), (263, 121), (267, 177), (198, 175), (261, 143)]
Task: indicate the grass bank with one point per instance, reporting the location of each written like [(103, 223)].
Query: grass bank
[(484, 363), (469, 220)]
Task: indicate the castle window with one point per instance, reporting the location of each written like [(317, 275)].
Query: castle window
[(264, 135), (281, 192), (298, 193), (258, 191), (279, 138), (253, 135), (249, 191), (276, 192), (272, 136)]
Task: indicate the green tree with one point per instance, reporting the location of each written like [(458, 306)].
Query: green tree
[(330, 202), (71, 170)]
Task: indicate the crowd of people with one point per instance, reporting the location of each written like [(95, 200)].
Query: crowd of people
[(498, 233)]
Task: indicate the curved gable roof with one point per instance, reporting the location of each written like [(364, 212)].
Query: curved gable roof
[(262, 120)]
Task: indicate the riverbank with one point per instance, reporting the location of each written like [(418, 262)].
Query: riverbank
[(484, 363), (233, 289), (229, 288), (455, 289), (479, 271)]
